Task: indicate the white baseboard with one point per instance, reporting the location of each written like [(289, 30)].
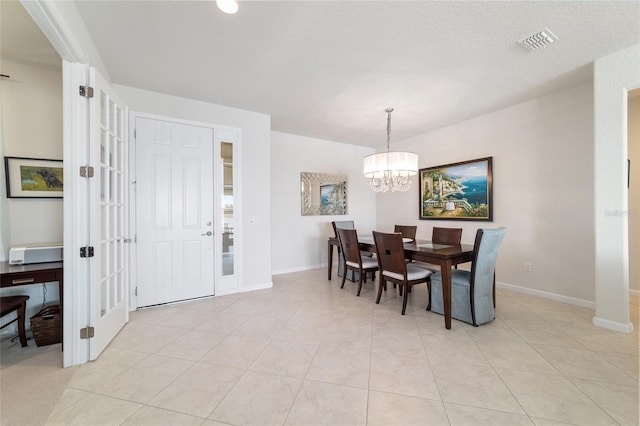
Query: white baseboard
[(262, 286), (299, 269), (548, 295), (611, 325)]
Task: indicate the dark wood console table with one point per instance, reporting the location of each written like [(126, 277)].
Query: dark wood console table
[(17, 275)]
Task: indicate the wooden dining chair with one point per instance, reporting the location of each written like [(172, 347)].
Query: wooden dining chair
[(407, 231), (394, 268), (472, 292), (18, 304), (353, 259), (347, 224), (444, 236)]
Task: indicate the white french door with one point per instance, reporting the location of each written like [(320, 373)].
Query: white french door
[(108, 214), (174, 211)]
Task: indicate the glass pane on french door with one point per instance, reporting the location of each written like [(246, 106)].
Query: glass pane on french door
[(112, 204), (228, 222)]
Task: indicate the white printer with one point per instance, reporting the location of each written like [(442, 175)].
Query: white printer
[(35, 253)]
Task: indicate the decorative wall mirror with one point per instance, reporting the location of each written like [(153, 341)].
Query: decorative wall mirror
[(323, 194)]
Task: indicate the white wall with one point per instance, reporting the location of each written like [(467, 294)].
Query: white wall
[(542, 189), (613, 76), (31, 127), (633, 142), (300, 242), (254, 164)]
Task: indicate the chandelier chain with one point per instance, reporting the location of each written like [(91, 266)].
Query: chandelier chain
[(388, 111)]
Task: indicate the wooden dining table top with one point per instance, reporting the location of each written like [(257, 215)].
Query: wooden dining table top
[(424, 249)]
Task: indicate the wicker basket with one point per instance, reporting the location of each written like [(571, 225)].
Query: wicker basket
[(46, 326)]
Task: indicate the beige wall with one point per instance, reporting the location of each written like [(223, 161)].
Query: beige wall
[(633, 142), (300, 242), (543, 190), (32, 127)]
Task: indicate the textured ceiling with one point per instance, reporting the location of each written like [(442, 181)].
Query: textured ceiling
[(328, 69)]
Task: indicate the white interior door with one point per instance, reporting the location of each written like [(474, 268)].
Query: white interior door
[(174, 211), (108, 205)]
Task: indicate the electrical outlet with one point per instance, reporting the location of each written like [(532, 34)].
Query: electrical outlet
[(528, 267)]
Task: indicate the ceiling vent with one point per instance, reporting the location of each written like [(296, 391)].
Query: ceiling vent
[(542, 38)]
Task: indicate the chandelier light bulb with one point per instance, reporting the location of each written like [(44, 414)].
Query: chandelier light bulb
[(227, 6)]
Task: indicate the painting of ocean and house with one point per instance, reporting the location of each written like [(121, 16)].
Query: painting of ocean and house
[(457, 191)]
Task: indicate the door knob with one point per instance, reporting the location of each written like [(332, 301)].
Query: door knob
[(208, 234)]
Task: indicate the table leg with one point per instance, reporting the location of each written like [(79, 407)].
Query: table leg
[(330, 255), (59, 275), (445, 270)]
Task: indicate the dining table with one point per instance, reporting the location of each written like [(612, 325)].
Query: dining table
[(445, 255)]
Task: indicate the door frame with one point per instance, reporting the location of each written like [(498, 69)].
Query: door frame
[(75, 117), (133, 226)]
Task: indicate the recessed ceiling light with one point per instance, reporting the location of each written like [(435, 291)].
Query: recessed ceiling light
[(227, 6), (542, 38)]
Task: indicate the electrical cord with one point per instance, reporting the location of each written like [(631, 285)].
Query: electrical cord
[(44, 295)]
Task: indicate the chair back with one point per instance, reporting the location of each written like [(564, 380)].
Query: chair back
[(349, 245), (407, 231), (390, 252), (446, 235), (485, 255), (342, 224)]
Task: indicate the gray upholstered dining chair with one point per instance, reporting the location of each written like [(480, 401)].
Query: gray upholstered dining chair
[(472, 298), (394, 268), (353, 259)]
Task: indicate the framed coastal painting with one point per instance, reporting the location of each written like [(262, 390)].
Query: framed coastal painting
[(33, 177), (458, 191)]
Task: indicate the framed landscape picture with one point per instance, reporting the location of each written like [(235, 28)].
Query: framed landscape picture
[(33, 177), (458, 191)]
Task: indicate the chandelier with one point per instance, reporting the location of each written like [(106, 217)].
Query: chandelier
[(391, 170)]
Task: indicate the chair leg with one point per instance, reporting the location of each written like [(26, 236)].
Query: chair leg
[(429, 293), (360, 284), (494, 290), (382, 283), (344, 276), (21, 331), (404, 300)]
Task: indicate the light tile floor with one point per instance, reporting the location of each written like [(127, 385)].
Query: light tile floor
[(309, 353)]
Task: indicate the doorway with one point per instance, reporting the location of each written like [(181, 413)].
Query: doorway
[(174, 209)]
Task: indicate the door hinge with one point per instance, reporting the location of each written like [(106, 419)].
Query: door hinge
[(87, 332), (86, 91), (135, 292), (134, 133), (86, 251), (86, 171)]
